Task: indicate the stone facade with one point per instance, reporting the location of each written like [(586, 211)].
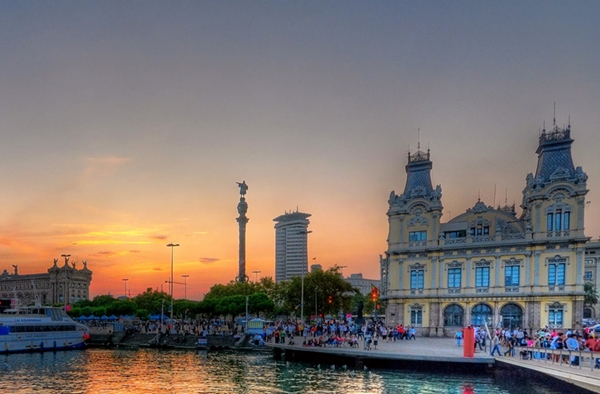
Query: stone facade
[(362, 284), (591, 274), (61, 285), (489, 265)]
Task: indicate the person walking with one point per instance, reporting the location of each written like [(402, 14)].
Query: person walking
[(510, 350), (458, 336), (496, 346)]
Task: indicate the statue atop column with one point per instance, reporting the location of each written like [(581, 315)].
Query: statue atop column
[(242, 220), (243, 188)]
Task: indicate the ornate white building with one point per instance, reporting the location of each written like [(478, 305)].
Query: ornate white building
[(61, 285), (489, 265)]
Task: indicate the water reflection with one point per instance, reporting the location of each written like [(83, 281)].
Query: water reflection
[(153, 371)]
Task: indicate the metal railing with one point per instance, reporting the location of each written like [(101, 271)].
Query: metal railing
[(571, 358)]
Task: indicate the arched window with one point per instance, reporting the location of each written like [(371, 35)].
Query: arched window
[(512, 316), (481, 314), (588, 313), (453, 315)]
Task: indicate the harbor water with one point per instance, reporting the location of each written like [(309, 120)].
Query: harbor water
[(155, 371)]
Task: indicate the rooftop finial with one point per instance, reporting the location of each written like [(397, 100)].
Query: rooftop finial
[(419, 139), (554, 114)]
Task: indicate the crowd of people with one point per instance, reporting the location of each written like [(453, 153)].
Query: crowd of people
[(333, 332), (506, 342), (368, 334)]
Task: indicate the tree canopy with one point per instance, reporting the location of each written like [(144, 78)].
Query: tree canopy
[(325, 292)]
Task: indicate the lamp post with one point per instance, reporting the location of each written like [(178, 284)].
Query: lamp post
[(125, 280), (172, 246), (256, 275), (185, 285), (304, 264), (316, 309), (342, 270)]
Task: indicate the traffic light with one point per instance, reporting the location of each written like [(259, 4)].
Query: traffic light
[(374, 293), (329, 299)]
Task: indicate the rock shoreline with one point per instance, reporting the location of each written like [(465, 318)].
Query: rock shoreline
[(138, 340)]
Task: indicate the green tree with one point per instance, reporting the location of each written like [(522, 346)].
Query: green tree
[(151, 300), (326, 291), (260, 302), (232, 305), (103, 300), (591, 294), (121, 307)]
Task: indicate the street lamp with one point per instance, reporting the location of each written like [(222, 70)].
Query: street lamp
[(304, 264), (185, 285), (172, 246), (342, 270), (125, 280), (316, 309), (256, 275)]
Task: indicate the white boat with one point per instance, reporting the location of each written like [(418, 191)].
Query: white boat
[(39, 328)]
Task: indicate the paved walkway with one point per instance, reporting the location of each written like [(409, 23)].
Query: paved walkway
[(445, 349), (433, 349), (582, 376)]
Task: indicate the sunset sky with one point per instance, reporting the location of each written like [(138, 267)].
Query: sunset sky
[(125, 125)]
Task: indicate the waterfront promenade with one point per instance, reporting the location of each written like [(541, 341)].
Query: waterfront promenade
[(583, 376), (422, 349), (443, 352)]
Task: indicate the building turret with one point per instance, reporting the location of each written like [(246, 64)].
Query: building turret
[(414, 216), (554, 199)]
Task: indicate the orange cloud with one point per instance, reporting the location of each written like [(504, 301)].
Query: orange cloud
[(105, 253), (208, 260)]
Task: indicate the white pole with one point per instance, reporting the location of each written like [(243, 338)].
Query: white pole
[(246, 314)]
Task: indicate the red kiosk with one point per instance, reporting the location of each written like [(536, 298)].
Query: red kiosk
[(468, 342)]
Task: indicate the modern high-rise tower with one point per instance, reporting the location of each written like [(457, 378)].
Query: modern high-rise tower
[(291, 241)]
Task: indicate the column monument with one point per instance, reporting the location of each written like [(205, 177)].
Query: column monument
[(242, 220)]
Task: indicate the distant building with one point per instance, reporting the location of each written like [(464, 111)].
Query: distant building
[(316, 267), (61, 285), (291, 254), (490, 265), (362, 284)]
